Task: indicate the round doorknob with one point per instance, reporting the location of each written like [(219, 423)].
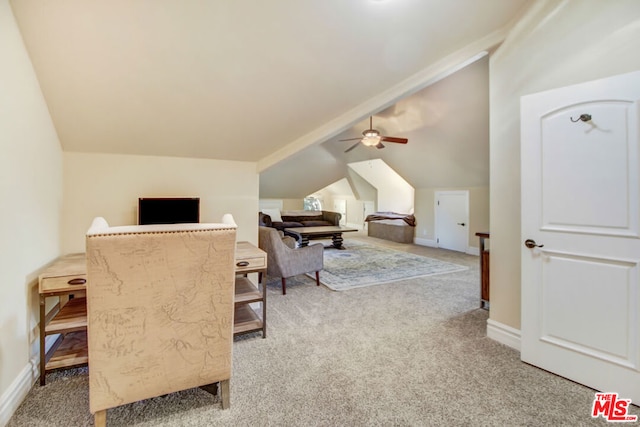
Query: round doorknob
[(532, 244)]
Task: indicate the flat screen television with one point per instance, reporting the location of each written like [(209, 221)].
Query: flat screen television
[(168, 210)]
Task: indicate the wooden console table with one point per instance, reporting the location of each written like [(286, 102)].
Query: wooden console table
[(484, 271), (64, 278), (250, 259)]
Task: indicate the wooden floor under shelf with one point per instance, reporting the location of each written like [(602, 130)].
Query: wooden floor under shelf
[(246, 320)]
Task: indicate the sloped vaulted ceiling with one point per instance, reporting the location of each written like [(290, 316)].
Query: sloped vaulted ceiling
[(447, 125), (237, 80)]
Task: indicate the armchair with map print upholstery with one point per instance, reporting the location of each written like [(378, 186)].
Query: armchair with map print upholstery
[(160, 306)]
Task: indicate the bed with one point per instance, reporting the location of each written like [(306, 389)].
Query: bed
[(391, 226)]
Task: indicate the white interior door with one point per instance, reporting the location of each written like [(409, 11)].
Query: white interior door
[(452, 220), (580, 204)]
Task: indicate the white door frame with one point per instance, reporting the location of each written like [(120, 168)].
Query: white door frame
[(437, 221)]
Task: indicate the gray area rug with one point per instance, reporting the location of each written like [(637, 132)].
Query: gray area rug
[(362, 264)]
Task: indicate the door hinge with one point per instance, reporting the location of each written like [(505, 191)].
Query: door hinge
[(438, 202)]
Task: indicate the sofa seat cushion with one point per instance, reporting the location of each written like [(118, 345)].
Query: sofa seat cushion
[(291, 224), (315, 223), (286, 224), (302, 218)]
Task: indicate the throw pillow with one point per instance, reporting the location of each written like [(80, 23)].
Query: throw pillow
[(274, 214)]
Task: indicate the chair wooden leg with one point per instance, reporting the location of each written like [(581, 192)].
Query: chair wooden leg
[(100, 418), (317, 278), (284, 286), (259, 277), (225, 394)]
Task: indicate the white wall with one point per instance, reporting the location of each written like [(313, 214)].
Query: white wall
[(109, 185), (557, 43), (292, 204), (31, 194), (395, 194)]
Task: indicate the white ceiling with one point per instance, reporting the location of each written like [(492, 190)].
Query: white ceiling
[(247, 80)]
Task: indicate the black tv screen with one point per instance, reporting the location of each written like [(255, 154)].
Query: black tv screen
[(168, 210)]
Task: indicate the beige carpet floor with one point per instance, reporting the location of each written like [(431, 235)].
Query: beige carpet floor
[(385, 355)]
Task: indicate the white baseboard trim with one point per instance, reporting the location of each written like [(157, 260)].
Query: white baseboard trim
[(15, 394), (503, 334), (22, 384), (472, 250), (425, 242)]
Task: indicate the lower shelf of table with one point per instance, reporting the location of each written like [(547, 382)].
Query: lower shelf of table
[(246, 320), (70, 351)]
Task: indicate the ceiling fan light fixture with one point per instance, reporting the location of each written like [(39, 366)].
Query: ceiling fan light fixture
[(372, 138), (371, 141)]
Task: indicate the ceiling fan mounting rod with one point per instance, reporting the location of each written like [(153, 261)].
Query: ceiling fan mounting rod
[(371, 132)]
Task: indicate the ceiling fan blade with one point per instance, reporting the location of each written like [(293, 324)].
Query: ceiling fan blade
[(350, 139), (394, 139), (352, 147), (380, 145)]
